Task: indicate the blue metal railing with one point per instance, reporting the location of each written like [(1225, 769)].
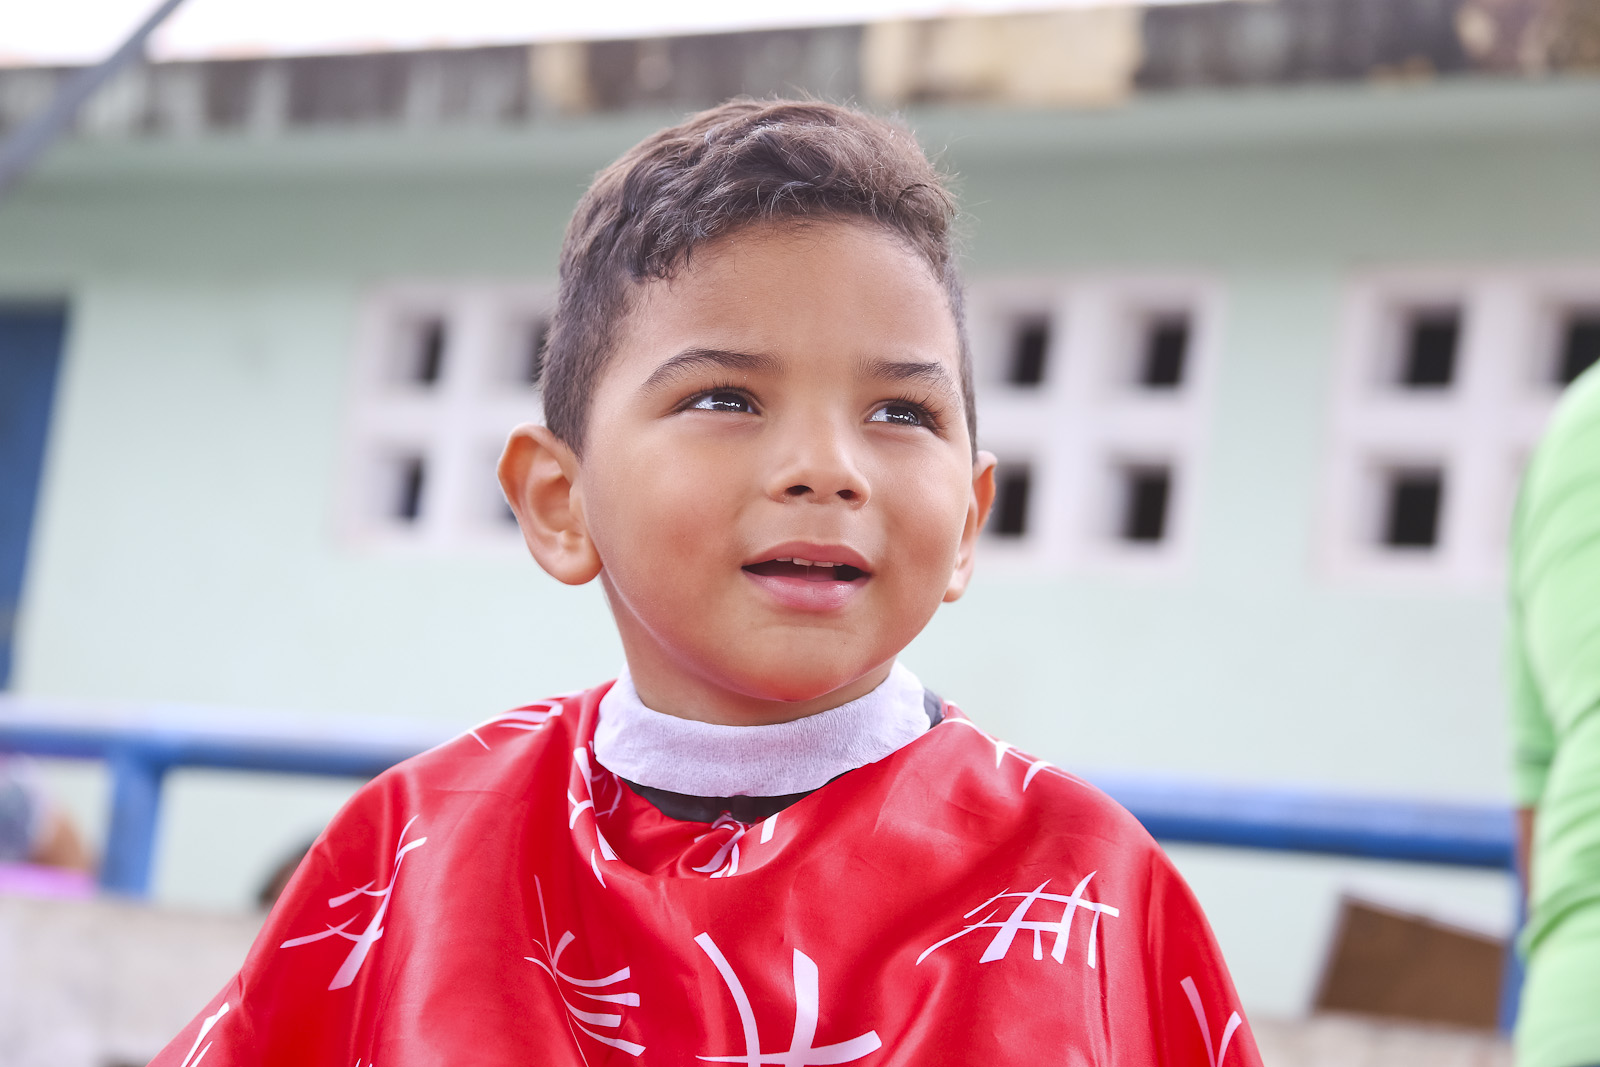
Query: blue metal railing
[(140, 747), (1481, 836), (1330, 824)]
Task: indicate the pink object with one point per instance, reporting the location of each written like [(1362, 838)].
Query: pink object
[(32, 880)]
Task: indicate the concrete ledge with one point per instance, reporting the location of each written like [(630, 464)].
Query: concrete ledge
[(1359, 1041), (105, 983)]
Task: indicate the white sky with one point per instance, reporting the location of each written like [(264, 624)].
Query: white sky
[(80, 31)]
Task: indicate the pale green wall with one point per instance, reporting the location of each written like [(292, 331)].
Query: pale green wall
[(185, 552)]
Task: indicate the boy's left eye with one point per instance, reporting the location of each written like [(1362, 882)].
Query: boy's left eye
[(722, 400), (898, 414)]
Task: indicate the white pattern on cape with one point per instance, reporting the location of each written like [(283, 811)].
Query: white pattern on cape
[(368, 937), (1007, 929), (1002, 750), (726, 859), (807, 1006), (530, 718), (1213, 1056), (602, 848), (193, 1060), (582, 987)]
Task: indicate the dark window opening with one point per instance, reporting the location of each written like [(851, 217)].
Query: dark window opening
[(1146, 495), (1166, 349), (429, 356), (408, 495), (1030, 344), (1432, 338), (1012, 488), (1580, 346), (1415, 498), (534, 340)]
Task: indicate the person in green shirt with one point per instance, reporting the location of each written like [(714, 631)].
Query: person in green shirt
[(1555, 704)]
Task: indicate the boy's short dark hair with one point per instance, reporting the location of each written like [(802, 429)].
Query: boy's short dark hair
[(739, 163)]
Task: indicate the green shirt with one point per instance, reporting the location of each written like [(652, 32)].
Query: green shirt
[(1555, 703)]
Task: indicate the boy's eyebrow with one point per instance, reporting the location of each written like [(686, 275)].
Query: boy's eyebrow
[(697, 358), (907, 370)]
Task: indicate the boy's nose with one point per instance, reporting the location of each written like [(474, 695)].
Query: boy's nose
[(820, 469), (847, 495)]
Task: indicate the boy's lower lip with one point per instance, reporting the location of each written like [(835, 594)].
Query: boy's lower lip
[(803, 595)]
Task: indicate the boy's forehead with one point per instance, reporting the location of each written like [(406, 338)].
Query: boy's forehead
[(797, 292), (797, 242)]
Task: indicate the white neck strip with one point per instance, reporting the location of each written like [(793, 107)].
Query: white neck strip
[(705, 759)]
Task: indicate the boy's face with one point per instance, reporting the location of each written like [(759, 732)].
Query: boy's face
[(792, 394)]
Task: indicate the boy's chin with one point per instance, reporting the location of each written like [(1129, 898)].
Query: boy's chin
[(812, 684)]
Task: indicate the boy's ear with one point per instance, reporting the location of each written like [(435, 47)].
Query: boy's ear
[(978, 506), (538, 473)]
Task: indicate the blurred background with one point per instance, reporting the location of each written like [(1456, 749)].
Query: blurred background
[(1270, 300)]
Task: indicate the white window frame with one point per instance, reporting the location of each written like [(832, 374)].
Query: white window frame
[(1480, 430), (458, 425), (1088, 417)]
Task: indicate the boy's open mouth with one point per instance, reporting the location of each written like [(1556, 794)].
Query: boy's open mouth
[(806, 570)]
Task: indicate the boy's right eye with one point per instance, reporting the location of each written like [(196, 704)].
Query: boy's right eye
[(722, 400)]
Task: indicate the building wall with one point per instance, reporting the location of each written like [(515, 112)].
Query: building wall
[(186, 549)]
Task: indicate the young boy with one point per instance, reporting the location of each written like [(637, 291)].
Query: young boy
[(766, 842)]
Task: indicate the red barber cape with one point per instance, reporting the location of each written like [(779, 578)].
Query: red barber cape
[(505, 900)]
